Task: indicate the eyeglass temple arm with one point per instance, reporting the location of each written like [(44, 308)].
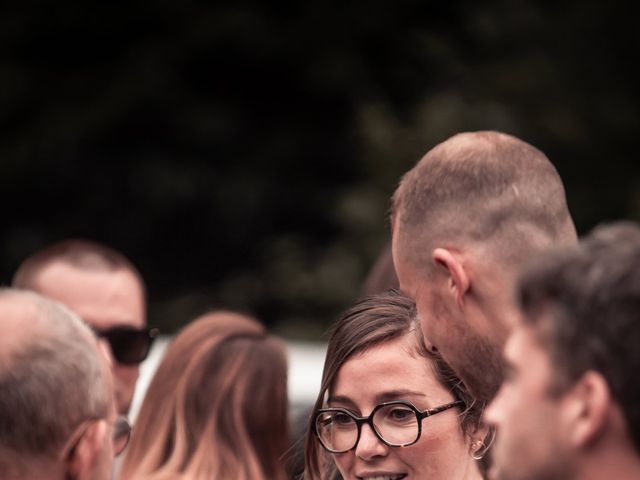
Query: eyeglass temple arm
[(442, 408)]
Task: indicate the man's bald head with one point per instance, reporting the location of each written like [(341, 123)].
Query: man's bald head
[(97, 283), (464, 220), (52, 377)]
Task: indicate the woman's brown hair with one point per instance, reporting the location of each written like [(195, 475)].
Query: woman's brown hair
[(372, 321), (217, 406)]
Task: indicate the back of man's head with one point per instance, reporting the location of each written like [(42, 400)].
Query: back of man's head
[(484, 188), (585, 302), (52, 379)]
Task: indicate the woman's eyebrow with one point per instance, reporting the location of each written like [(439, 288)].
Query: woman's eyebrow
[(399, 394), (341, 399)]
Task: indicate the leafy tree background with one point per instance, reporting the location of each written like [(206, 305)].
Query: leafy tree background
[(242, 153)]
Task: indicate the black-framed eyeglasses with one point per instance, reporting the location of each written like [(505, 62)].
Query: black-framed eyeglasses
[(396, 424), (129, 345)]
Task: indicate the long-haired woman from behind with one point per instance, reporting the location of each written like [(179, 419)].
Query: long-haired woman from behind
[(216, 407)]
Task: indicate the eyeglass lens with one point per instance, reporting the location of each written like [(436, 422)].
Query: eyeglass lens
[(121, 435), (397, 424), (129, 345)]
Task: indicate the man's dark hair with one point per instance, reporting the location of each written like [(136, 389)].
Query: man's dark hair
[(585, 303)]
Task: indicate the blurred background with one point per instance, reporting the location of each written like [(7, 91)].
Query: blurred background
[(242, 154)]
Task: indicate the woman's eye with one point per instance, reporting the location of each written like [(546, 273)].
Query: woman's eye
[(400, 414), (341, 419)]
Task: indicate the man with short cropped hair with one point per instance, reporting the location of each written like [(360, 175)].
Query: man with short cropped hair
[(57, 414), (464, 219), (106, 291), (569, 408)]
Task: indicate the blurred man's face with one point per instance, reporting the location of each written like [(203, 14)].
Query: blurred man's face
[(530, 443), (104, 300)]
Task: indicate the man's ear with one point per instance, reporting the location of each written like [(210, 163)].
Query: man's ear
[(458, 279), (587, 409), (84, 456)]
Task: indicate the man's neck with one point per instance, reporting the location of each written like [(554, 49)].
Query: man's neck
[(618, 466), (18, 470)]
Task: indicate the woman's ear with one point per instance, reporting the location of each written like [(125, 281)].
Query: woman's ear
[(82, 458), (458, 280), (481, 440)]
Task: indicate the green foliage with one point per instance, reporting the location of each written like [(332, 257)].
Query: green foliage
[(242, 154)]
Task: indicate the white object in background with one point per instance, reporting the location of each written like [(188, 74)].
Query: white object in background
[(306, 360)]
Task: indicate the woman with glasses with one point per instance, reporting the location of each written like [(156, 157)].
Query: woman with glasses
[(216, 407), (388, 409)]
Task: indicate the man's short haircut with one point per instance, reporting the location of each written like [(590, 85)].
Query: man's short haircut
[(585, 304), (486, 188), (84, 255), (52, 378)]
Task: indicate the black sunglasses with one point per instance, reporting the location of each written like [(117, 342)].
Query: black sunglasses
[(129, 345)]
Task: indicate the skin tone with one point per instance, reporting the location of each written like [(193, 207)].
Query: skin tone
[(396, 372), (104, 462), (104, 299), (466, 320), (533, 425), (92, 456)]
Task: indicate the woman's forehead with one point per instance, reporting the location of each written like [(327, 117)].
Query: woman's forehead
[(385, 368)]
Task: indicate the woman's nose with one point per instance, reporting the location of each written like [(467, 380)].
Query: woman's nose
[(370, 446)]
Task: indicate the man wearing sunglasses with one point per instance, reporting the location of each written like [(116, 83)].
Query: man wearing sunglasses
[(106, 291), (57, 411)]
